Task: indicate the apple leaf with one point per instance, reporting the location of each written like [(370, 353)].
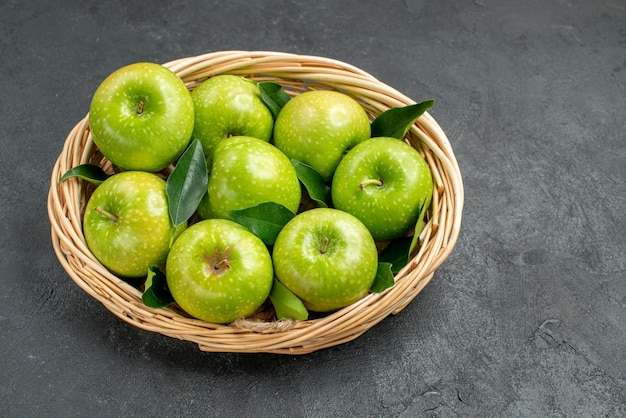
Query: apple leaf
[(187, 183), (90, 172), (384, 278), (396, 121), (273, 96), (265, 220), (313, 183), (419, 227), (396, 253), (157, 294), (286, 304)]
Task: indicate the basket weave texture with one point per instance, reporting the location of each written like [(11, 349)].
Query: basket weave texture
[(297, 73)]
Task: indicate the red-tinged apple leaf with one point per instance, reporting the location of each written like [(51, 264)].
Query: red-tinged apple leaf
[(313, 182), (265, 220), (384, 278), (273, 96), (396, 121), (421, 223), (286, 304), (396, 253), (157, 294), (90, 172), (187, 183)]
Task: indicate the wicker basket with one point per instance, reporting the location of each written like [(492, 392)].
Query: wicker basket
[(66, 203)]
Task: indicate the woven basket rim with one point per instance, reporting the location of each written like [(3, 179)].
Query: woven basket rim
[(66, 202)]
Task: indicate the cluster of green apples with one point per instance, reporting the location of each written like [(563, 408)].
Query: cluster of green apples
[(143, 118)]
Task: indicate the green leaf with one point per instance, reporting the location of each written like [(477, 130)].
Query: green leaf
[(396, 121), (273, 96), (286, 304), (396, 253), (384, 278), (419, 227), (157, 294), (313, 182), (187, 183), (90, 172), (265, 220)]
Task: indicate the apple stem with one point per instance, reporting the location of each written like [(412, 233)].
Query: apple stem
[(140, 107), (324, 247), (222, 265), (367, 182), (107, 214)]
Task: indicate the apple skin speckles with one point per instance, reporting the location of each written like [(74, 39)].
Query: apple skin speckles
[(139, 231), (218, 271), (245, 172), (149, 139), (389, 209), (317, 127), (228, 105), (326, 257)]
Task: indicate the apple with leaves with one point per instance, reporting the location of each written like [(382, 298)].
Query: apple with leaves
[(384, 182), (317, 127), (127, 224), (326, 257), (218, 271), (228, 105), (245, 172), (141, 117)]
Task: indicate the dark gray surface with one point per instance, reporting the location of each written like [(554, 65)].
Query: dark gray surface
[(526, 318)]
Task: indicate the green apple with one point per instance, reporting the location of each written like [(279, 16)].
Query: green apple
[(317, 127), (218, 271), (228, 105), (127, 225), (141, 117), (245, 172), (383, 182), (326, 257)]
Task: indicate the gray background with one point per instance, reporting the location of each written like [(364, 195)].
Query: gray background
[(527, 317)]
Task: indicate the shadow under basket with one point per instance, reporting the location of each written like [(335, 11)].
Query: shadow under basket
[(296, 73)]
